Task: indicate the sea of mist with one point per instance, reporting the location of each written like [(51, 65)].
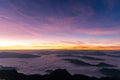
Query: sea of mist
[(75, 61)]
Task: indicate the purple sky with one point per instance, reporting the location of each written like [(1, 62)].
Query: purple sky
[(60, 22)]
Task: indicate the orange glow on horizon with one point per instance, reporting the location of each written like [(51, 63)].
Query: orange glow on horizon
[(60, 47), (44, 45)]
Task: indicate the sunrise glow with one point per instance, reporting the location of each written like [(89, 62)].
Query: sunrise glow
[(43, 24)]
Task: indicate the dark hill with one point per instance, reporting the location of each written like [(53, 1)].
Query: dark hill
[(59, 74), (102, 64), (111, 72), (16, 55)]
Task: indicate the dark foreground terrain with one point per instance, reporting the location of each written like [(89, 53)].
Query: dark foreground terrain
[(59, 74)]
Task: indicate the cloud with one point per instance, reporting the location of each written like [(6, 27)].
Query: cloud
[(94, 31), (69, 22), (72, 42), (18, 31)]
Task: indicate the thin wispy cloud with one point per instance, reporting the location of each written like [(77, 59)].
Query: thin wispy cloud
[(60, 20)]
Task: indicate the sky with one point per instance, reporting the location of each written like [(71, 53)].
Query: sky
[(60, 24)]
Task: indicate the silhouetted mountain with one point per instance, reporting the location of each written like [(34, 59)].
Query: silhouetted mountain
[(102, 64), (16, 55), (78, 62), (48, 71), (83, 57), (59, 74), (94, 53), (98, 53), (90, 58), (117, 56), (66, 55), (82, 63), (7, 68), (69, 52), (116, 53), (111, 72)]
